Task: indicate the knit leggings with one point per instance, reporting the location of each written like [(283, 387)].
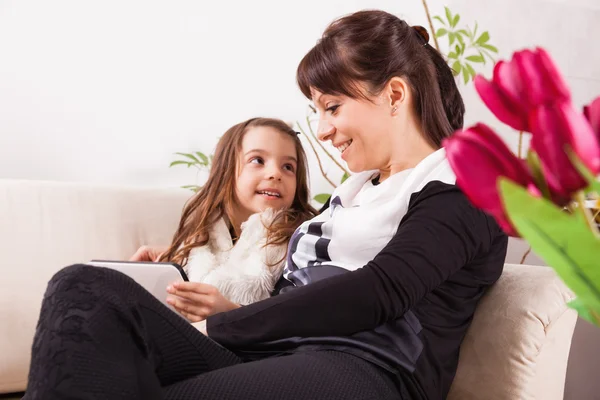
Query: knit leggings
[(102, 336)]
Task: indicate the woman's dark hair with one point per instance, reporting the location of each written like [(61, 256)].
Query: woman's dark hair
[(371, 47)]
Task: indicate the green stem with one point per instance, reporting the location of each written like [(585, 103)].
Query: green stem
[(587, 215)]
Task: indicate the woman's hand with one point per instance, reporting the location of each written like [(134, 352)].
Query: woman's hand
[(198, 301), (148, 253)]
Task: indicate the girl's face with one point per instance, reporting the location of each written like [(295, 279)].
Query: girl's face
[(266, 172)]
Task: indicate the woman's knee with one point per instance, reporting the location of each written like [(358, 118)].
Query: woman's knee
[(82, 278)]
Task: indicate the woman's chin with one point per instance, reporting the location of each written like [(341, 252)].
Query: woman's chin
[(355, 167)]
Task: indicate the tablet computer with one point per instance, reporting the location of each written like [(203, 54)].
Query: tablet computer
[(152, 276)]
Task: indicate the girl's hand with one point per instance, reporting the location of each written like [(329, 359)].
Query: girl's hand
[(198, 301), (147, 253)]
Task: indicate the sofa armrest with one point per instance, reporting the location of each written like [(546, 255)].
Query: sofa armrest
[(48, 225), (518, 343)]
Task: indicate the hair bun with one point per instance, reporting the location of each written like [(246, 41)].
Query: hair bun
[(422, 33)]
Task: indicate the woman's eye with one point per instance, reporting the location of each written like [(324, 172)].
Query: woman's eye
[(257, 160), (332, 109)]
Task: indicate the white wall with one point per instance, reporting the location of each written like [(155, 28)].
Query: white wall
[(106, 91)]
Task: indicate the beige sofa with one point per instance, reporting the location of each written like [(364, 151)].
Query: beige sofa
[(517, 347)]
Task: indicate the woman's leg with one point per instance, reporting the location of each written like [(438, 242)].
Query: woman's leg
[(102, 336), (315, 375)]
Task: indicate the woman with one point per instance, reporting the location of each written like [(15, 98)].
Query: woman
[(381, 287)]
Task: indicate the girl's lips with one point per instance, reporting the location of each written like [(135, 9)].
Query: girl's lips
[(269, 194)]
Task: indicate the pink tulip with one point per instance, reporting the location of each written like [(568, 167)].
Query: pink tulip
[(529, 80), (479, 157), (554, 128), (592, 113)]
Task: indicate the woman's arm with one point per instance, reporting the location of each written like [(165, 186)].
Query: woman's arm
[(440, 234)]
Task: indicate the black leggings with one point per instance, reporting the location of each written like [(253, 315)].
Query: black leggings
[(102, 336)]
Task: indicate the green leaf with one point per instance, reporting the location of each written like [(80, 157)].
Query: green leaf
[(483, 38), (190, 156), (448, 15), (193, 188), (452, 55), (202, 157), (441, 32), (471, 70), (470, 34), (583, 310), (463, 32), (594, 185), (466, 75), (344, 177), (562, 240), (477, 58), (452, 37), (475, 30), (179, 162), (455, 20), (322, 198), (456, 67), (438, 18), (460, 39), (458, 50), (489, 47)]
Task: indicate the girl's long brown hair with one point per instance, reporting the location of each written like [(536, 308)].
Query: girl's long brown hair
[(216, 198)]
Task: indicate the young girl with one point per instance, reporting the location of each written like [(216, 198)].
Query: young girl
[(233, 234)]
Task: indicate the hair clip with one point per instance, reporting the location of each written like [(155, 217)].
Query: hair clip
[(423, 34), (297, 133)]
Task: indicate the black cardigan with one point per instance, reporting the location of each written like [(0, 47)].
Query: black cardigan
[(407, 310)]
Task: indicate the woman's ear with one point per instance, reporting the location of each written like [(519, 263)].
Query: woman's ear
[(396, 92)]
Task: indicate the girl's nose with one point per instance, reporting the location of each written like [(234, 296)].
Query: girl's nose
[(274, 174), (325, 130)]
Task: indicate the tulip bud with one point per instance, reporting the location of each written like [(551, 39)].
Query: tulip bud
[(555, 128), (478, 158), (519, 86)]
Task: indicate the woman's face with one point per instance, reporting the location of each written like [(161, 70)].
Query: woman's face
[(361, 130)]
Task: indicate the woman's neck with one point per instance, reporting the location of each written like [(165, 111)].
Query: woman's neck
[(401, 166), (406, 156)]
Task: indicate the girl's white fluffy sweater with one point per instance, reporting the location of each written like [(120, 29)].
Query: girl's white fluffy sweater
[(241, 272)]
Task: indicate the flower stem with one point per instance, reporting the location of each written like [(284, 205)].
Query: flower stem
[(587, 215), (317, 155), (520, 148), (431, 28), (596, 317), (525, 255), (323, 147)]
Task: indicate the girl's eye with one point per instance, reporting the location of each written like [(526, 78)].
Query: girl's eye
[(257, 160), (332, 109), (289, 167)]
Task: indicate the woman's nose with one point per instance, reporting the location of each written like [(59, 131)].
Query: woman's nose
[(325, 130)]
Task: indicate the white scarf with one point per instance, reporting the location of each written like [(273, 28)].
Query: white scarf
[(361, 219), (240, 271)]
